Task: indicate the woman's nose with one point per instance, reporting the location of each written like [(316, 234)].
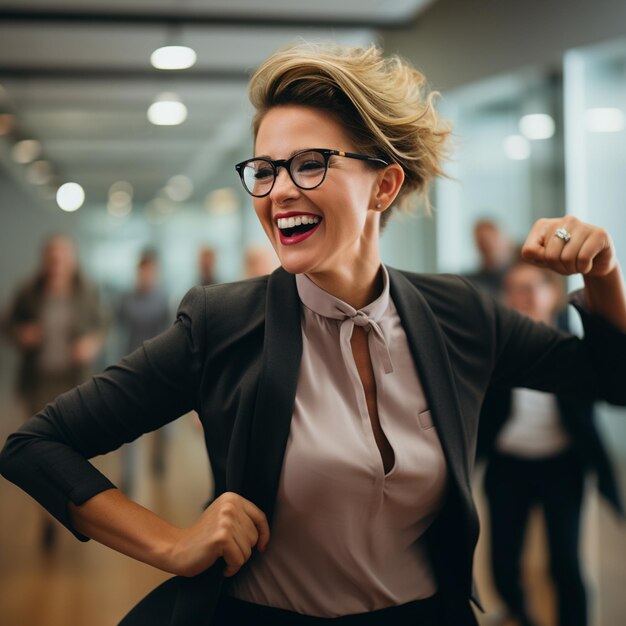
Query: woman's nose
[(284, 188)]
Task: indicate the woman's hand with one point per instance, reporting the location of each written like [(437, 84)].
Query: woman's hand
[(85, 349), (581, 249), (230, 528), (589, 250)]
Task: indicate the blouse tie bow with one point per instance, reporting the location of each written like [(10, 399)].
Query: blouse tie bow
[(375, 338)]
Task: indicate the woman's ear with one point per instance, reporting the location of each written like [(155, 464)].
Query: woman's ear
[(389, 185)]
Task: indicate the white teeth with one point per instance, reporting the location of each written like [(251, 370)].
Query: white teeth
[(291, 222)]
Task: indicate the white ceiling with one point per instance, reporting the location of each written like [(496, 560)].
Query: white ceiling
[(78, 79)]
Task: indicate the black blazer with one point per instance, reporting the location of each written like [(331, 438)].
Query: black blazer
[(233, 355)]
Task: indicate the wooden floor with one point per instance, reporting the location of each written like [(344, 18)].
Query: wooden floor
[(86, 584), (78, 584)]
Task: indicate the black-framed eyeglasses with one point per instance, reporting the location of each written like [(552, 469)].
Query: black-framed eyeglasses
[(307, 169)]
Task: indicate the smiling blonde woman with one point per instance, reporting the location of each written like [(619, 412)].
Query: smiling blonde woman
[(339, 397)]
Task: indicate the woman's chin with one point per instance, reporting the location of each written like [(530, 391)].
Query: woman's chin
[(294, 265)]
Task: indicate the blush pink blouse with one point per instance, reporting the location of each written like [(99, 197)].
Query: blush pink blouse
[(346, 537)]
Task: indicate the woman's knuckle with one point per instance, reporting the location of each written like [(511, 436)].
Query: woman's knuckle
[(603, 234), (228, 509), (222, 536)]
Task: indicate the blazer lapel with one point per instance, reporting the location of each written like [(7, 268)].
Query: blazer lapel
[(435, 371), (278, 380)]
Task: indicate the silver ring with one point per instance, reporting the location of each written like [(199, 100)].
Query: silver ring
[(563, 234)]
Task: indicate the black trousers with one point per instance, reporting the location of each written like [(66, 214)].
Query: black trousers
[(232, 612), (513, 486)]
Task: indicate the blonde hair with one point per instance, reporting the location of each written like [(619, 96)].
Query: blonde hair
[(382, 103)]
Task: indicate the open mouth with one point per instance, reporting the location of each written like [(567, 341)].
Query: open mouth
[(297, 225)]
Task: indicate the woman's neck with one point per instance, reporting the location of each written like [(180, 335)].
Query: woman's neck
[(357, 288)]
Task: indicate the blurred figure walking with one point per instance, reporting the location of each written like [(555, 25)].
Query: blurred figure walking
[(56, 322), (206, 266), (142, 314), (497, 254), (259, 260), (539, 447)]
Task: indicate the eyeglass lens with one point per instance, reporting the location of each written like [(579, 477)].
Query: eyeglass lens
[(307, 170)]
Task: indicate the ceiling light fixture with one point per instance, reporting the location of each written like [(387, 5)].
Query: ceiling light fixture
[(167, 110), (179, 188), (26, 151), (70, 197), (537, 126), (173, 58), (120, 202), (223, 201), (604, 120)]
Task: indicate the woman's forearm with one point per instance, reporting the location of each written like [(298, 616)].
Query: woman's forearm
[(606, 296), (112, 519), (230, 528)]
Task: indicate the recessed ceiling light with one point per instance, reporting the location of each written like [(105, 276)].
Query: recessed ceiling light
[(179, 188), (167, 110), (604, 120), (173, 58), (70, 196), (121, 185), (223, 201), (26, 151), (537, 126), (119, 204)]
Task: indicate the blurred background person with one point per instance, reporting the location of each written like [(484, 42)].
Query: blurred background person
[(259, 260), (56, 322), (142, 314), (539, 447), (497, 253), (206, 266)]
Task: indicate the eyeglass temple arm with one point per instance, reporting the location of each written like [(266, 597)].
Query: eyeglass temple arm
[(361, 157)]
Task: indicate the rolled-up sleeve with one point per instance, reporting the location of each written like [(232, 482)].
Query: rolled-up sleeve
[(48, 456)]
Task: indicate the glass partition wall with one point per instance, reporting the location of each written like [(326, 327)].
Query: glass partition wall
[(507, 162)]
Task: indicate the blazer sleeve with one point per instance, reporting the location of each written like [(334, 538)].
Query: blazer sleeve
[(538, 356), (155, 384)]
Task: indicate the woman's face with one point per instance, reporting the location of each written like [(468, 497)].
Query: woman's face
[(527, 290), (345, 229)]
